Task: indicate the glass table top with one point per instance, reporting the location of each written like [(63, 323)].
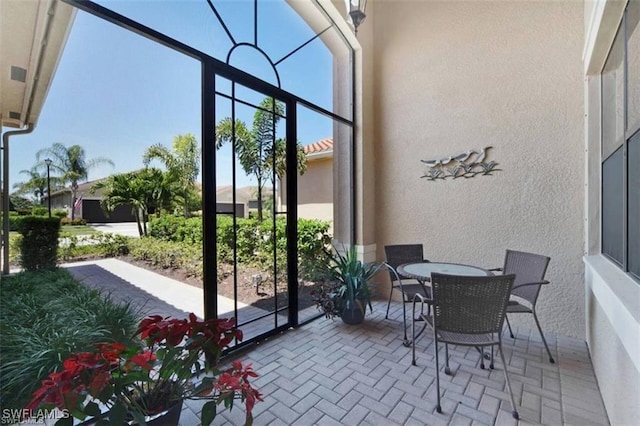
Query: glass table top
[(423, 270)]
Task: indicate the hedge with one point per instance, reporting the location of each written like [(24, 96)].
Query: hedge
[(254, 241), (39, 245)]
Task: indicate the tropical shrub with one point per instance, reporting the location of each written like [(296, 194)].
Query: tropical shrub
[(168, 254), (175, 228), (39, 211), (254, 241), (44, 317), (39, 243), (14, 220), (96, 244), (313, 239), (73, 222), (59, 213)]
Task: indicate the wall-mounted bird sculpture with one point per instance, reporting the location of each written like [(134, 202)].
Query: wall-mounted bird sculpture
[(466, 164)]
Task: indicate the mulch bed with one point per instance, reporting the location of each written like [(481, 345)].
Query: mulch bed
[(262, 297)]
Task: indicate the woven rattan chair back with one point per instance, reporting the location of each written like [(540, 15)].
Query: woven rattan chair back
[(399, 254), (470, 305), (528, 268)]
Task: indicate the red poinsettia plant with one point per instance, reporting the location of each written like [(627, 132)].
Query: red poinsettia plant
[(116, 383)]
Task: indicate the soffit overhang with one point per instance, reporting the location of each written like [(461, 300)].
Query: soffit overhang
[(33, 34)]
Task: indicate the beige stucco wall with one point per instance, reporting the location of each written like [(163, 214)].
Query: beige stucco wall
[(315, 190), (452, 76)]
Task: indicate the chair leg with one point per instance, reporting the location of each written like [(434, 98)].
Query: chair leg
[(535, 317), (509, 325), (413, 339), (404, 319), (435, 344), (389, 302), (447, 370), (514, 413), (491, 366)]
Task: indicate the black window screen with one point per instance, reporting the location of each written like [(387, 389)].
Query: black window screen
[(633, 229), (612, 206)]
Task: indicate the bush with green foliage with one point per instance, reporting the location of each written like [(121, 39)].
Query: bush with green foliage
[(44, 317), (97, 244), (59, 213), (168, 254), (14, 220), (78, 221), (39, 245), (255, 242), (15, 242), (176, 228), (39, 211), (313, 239)]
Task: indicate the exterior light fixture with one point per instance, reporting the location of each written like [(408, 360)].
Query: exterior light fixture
[(48, 162), (356, 13)]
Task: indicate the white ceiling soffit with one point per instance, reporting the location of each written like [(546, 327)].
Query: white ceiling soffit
[(33, 34)]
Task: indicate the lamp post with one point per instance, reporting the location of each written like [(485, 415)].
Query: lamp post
[(356, 12), (48, 162)]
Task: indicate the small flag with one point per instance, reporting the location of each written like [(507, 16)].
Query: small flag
[(78, 202)]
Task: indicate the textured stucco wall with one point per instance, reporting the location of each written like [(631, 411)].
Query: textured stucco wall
[(315, 190), (452, 76)]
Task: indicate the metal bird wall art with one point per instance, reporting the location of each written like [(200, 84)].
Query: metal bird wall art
[(464, 165)]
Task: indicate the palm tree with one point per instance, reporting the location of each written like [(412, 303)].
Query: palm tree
[(36, 184), (258, 150), (182, 164), (138, 189), (71, 165)]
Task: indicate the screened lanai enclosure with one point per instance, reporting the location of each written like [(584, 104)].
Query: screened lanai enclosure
[(267, 78)]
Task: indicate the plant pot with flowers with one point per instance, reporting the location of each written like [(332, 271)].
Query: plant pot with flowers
[(348, 292), (135, 385)]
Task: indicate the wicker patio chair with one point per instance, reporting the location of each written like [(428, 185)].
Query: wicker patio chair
[(397, 255), (529, 269), (467, 311)]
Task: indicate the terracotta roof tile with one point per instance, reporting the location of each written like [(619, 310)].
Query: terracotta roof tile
[(320, 146)]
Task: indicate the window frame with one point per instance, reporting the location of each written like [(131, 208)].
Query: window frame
[(629, 134)]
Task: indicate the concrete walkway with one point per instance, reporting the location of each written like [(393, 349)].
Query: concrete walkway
[(155, 293)]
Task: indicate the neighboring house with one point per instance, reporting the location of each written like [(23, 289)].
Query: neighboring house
[(246, 199), (88, 206), (315, 186)]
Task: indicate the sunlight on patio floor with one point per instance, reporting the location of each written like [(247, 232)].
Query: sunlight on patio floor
[(330, 373)]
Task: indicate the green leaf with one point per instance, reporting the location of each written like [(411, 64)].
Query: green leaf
[(65, 421), (92, 409), (117, 414), (139, 418), (208, 413)]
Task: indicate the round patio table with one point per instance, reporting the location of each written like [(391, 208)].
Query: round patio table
[(422, 271)]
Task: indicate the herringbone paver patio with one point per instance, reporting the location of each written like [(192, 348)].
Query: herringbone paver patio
[(329, 373)]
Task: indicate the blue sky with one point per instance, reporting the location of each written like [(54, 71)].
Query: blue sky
[(116, 93)]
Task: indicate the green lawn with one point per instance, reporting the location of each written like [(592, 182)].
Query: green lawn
[(77, 230), (72, 230)]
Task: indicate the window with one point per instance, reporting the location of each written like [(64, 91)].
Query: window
[(620, 80)]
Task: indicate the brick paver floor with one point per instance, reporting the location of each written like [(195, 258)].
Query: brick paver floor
[(329, 373)]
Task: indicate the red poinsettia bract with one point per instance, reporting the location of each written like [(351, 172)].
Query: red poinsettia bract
[(147, 379)]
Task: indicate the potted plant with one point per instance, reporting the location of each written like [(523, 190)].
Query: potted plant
[(348, 293), (117, 384)]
